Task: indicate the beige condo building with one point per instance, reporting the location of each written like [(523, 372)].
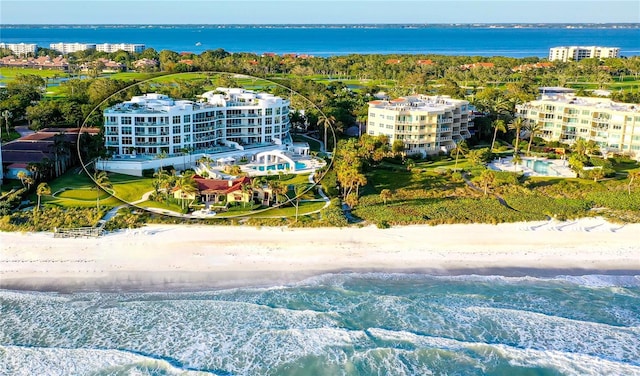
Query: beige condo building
[(425, 124), (577, 53), (565, 118)]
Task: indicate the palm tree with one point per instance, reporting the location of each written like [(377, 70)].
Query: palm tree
[(385, 195), (597, 174), (6, 114), (187, 185), (532, 128), (517, 124), (498, 125), (487, 177), (461, 147), (43, 189), (410, 164), (246, 190), (299, 191), (516, 161), (632, 175), (102, 180), (276, 189), (326, 122), (22, 176)]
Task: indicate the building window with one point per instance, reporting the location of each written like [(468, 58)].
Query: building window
[(176, 129), (372, 114), (176, 139), (186, 128), (176, 119), (125, 120), (127, 141), (268, 121), (126, 130), (268, 130), (186, 118), (269, 111)]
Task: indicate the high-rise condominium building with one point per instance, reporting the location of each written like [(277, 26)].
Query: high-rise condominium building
[(66, 48), (565, 118), (425, 124), (152, 124), (577, 53), (113, 47), (20, 49)]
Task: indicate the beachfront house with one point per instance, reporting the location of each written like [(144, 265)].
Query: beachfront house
[(218, 192)]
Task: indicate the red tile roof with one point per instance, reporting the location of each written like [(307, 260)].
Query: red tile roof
[(220, 186)]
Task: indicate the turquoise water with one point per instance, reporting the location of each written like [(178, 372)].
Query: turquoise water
[(279, 166), (436, 39), (541, 167), (338, 324)]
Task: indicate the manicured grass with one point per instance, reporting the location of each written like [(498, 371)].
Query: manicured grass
[(305, 208), (10, 73), (289, 179), (161, 205), (130, 188)]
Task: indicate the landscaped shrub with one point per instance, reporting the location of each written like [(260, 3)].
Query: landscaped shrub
[(148, 172)]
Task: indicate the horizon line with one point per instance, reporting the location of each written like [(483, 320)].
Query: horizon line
[(326, 24)]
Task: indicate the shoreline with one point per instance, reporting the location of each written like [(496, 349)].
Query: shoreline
[(200, 257)]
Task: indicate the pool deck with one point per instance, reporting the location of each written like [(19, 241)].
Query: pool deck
[(558, 167)]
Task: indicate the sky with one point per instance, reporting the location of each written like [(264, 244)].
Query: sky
[(316, 11)]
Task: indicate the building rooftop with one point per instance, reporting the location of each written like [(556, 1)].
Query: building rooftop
[(603, 103), (418, 102), (221, 97)]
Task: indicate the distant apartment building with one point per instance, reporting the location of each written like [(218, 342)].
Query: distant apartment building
[(152, 124), (577, 53), (20, 49), (66, 48), (113, 47), (565, 118), (425, 124)]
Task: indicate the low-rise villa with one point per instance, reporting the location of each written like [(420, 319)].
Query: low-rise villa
[(217, 193)]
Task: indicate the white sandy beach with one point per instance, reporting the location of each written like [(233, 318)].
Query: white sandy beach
[(186, 256)]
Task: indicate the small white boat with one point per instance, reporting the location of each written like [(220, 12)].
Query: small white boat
[(198, 44)]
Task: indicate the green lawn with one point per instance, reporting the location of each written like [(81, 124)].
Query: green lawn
[(305, 208), (161, 205), (9, 73)]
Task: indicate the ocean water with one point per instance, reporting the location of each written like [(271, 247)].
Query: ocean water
[(335, 324), (468, 41)]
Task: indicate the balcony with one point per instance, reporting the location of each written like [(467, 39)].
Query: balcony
[(152, 143)]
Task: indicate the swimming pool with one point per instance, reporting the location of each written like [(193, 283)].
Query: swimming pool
[(280, 166), (541, 167)]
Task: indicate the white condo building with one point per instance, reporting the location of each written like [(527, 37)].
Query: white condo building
[(20, 49), (113, 47), (153, 124), (66, 48), (577, 53), (565, 118), (425, 124)]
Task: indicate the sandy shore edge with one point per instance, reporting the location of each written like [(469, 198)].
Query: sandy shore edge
[(190, 257)]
